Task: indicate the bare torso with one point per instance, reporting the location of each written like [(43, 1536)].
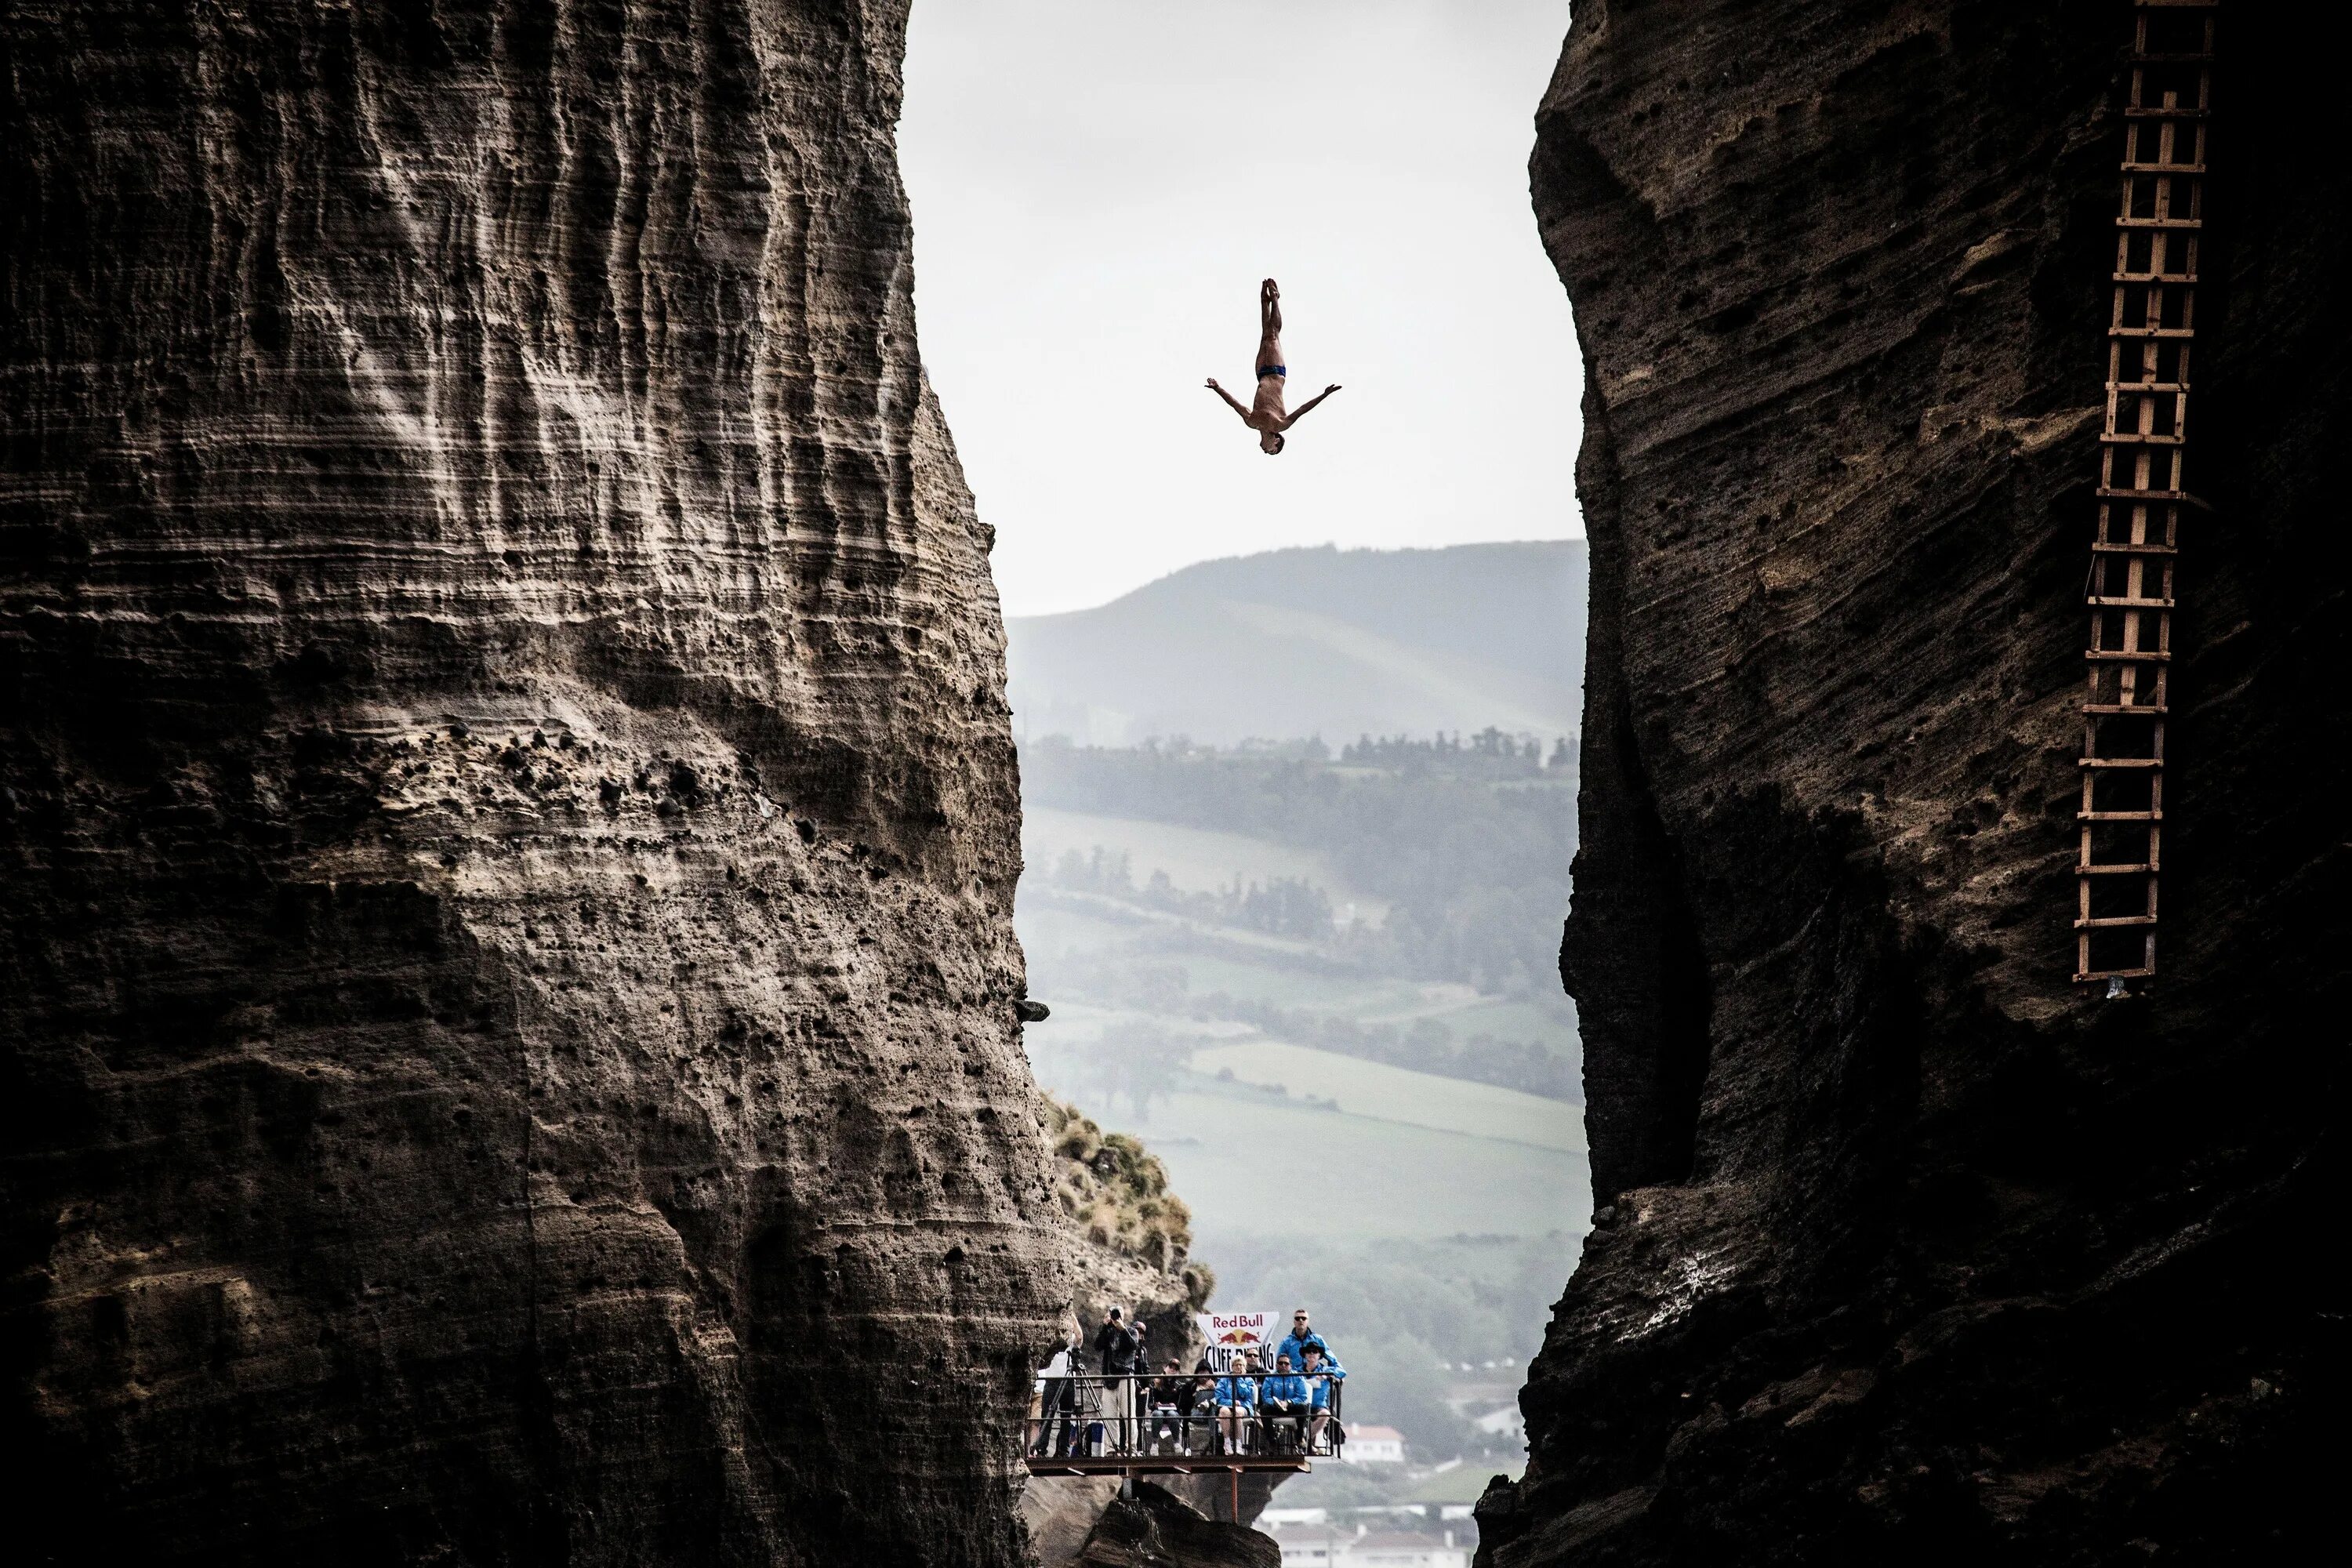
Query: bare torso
[(1266, 408)]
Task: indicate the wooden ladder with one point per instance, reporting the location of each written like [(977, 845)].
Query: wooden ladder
[(2142, 488)]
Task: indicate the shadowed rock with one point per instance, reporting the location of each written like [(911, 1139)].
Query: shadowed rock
[(1906, 1249), (1154, 1530)]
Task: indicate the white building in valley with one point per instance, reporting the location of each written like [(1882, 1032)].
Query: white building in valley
[(1374, 1446)]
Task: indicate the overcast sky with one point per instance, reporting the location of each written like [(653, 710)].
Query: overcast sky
[(1099, 184)]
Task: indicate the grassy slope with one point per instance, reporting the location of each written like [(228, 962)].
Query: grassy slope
[(1251, 1165), (1385, 1093)]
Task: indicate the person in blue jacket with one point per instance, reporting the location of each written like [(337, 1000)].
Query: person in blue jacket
[(1285, 1397), (1236, 1407), (1322, 1376), (1300, 1337)]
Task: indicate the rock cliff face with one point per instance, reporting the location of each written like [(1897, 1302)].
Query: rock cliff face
[(507, 800), (1906, 1250)]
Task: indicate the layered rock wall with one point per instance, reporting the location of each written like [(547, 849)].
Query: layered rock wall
[(1908, 1250), (508, 809)]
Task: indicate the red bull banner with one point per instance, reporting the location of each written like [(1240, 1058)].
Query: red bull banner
[(1231, 1336)]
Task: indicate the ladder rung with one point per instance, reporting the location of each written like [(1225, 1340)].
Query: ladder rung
[(2109, 921), (2106, 602), (2093, 976), (2152, 387), (2160, 223), (2186, 279), (2110, 492), (2128, 656), (2103, 547), (2143, 333), (2158, 111), (2139, 438), (2119, 816), (2122, 762), (2164, 168), (2125, 709), (2172, 59), (2147, 870)]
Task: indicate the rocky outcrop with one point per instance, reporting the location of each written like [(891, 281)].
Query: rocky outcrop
[(508, 808), (1153, 1528), (1906, 1250)]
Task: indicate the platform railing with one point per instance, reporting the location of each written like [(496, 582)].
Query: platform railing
[(1143, 1418)]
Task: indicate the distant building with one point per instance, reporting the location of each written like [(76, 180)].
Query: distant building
[(1375, 1446), (1324, 1546), (1505, 1422), (1291, 1518)]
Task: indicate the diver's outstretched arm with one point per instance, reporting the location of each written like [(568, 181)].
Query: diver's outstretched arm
[(1303, 409), (1230, 401)]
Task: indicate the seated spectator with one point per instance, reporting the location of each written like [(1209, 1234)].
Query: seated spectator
[(1284, 1399), (1323, 1376), (1171, 1400), (1236, 1406), (1202, 1409)]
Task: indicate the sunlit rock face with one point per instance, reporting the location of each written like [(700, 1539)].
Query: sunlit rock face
[(507, 807), (1908, 1251)]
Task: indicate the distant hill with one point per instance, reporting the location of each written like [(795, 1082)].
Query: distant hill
[(1305, 642)]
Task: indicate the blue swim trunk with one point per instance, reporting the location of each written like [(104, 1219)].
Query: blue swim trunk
[(1264, 370)]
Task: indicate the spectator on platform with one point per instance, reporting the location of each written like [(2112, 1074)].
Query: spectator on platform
[(1285, 1399), (1294, 1345), (1171, 1400), (1323, 1376), (1236, 1407), (1203, 1410), (1121, 1350), (1058, 1396)]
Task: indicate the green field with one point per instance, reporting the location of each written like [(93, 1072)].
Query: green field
[(1196, 860), (1377, 1091), (1252, 1165)]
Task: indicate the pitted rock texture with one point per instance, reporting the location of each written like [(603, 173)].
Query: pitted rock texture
[(1906, 1250), (508, 811)]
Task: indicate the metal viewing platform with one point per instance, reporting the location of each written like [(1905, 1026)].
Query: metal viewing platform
[(1137, 1425)]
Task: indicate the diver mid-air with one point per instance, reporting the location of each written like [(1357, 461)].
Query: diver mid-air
[(1263, 414)]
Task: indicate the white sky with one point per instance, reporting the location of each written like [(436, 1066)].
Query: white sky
[(1099, 184)]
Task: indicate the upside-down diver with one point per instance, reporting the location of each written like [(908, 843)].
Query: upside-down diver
[(1265, 412)]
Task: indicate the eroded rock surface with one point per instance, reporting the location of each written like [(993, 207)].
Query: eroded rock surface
[(1907, 1251), (508, 806)]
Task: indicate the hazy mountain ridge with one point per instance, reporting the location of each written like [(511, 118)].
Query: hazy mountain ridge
[(1323, 641)]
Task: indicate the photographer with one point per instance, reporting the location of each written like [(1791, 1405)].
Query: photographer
[(1121, 1349)]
